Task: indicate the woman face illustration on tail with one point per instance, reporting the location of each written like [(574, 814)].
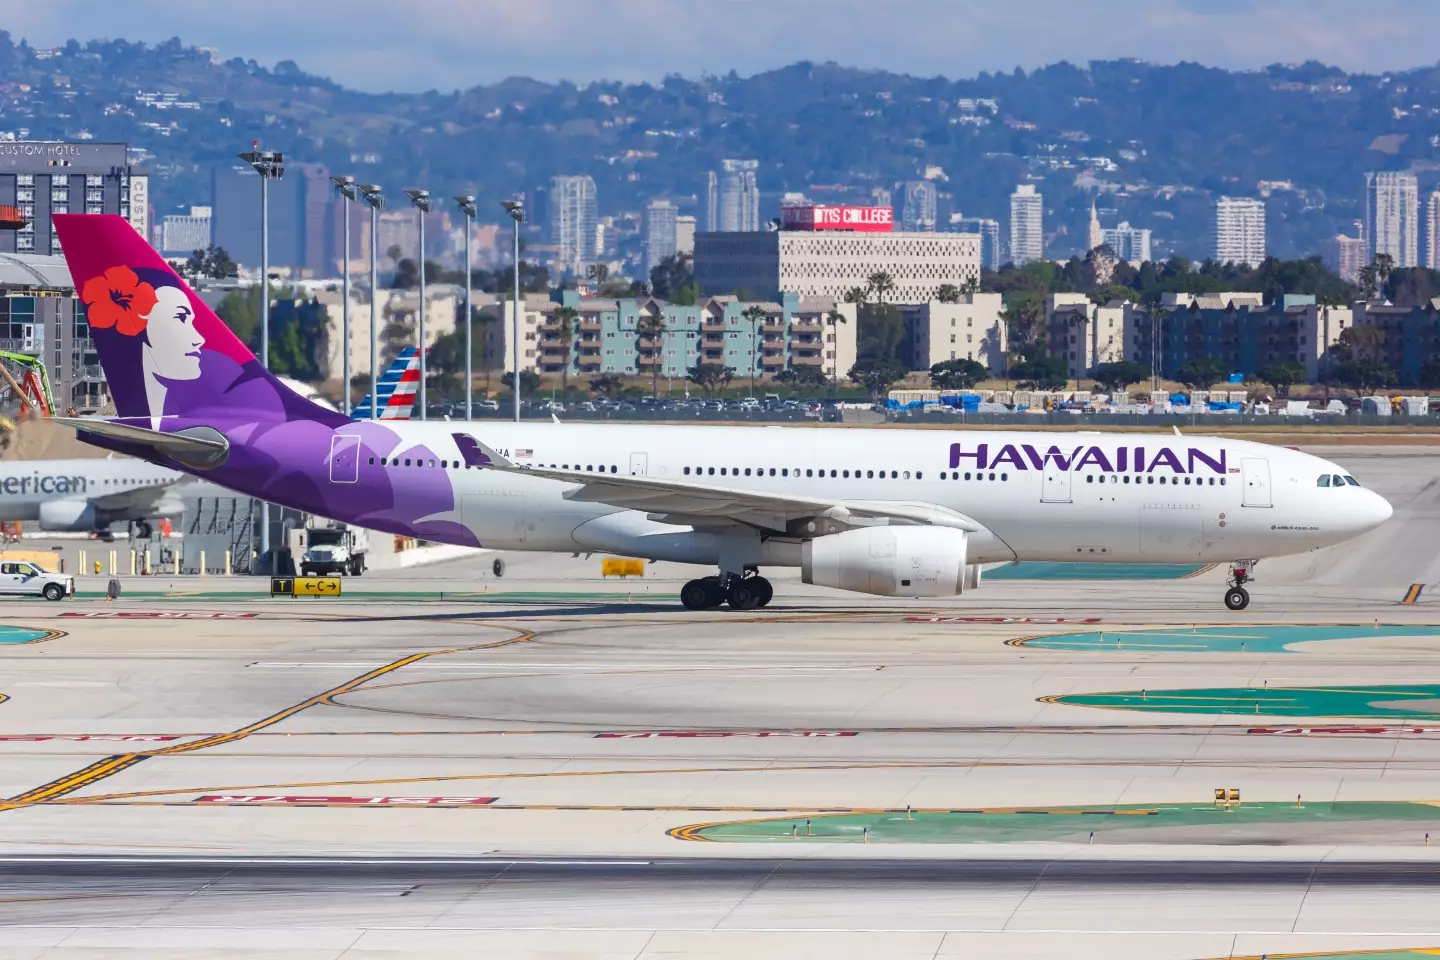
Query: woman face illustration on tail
[(153, 315)]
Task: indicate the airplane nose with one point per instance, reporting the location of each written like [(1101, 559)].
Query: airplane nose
[(1378, 510)]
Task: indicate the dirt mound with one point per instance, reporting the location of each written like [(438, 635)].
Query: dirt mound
[(34, 439)]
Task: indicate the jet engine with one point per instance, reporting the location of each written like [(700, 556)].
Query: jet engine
[(890, 561), (67, 515)]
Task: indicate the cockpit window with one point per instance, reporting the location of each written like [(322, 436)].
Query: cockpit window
[(1339, 481), (1352, 481), (1324, 480)]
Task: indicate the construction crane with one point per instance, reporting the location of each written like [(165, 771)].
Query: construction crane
[(32, 387)]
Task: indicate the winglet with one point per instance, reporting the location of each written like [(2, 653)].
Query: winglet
[(554, 418), (1176, 429), (477, 454)]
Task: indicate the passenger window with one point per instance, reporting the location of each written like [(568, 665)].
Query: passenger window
[(834, 474), (1324, 480), (712, 471), (967, 476), (687, 471), (407, 461), (992, 476), (7, 568), (1003, 477), (747, 471), (894, 474), (920, 475), (907, 474), (1089, 479), (1222, 481), (372, 461)]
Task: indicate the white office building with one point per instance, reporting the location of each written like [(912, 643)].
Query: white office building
[(1392, 217), (685, 234), (574, 221), (991, 251), (1430, 255), (1240, 231), (661, 228), (973, 329), (1027, 225), (831, 263), (182, 233), (1131, 244)]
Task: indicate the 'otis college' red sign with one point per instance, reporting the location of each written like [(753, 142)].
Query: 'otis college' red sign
[(820, 217)]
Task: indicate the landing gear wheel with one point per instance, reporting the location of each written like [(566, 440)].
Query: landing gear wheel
[(695, 595), (1237, 598), (764, 592), (743, 595)]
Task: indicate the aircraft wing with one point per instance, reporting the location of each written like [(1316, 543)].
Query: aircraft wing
[(696, 502), (136, 500)]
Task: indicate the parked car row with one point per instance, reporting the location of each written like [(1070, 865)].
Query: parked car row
[(770, 407)]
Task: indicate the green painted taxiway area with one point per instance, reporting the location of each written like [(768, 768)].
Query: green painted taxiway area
[(1040, 570), (1193, 823), (23, 634), (1414, 701), (1277, 638), (1411, 954)]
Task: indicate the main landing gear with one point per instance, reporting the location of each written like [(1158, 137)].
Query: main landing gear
[(1237, 597), (741, 593)]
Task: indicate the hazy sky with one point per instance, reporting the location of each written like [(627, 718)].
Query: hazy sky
[(458, 43)]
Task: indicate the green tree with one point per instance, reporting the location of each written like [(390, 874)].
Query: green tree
[(957, 374), (755, 316), (529, 382), (948, 293), (567, 333), (1363, 375), (881, 285), (445, 360), (673, 279), (1203, 372), (876, 375), (1359, 343), (1430, 373), (1118, 374), (652, 327), (1282, 375), (607, 384), (1042, 372), (213, 262), (710, 376), (803, 376)]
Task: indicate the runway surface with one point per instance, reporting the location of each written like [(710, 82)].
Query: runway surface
[(594, 755)]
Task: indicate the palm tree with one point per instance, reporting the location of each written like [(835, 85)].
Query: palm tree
[(756, 315), (882, 285), (569, 319), (831, 319), (652, 327), (857, 295)]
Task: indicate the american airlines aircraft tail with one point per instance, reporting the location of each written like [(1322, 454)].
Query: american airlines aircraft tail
[(913, 513)]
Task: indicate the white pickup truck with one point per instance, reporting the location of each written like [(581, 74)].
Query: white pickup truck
[(26, 579)]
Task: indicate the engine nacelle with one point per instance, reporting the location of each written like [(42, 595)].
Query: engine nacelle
[(67, 515), (889, 561)]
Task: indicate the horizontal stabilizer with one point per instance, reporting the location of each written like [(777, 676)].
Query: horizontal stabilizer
[(185, 447)]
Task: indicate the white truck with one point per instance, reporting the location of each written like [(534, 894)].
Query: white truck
[(28, 579), (334, 549)]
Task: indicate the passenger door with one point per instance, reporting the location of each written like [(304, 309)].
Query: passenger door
[(344, 458), (639, 464), (1255, 474), (1055, 482)]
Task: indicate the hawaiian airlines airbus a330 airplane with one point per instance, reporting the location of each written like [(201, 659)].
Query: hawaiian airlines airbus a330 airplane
[(913, 513)]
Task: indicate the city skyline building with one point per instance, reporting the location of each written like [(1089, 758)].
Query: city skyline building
[(920, 201), (186, 233), (685, 234), (1240, 231), (574, 221), (660, 232), (1096, 234), (1345, 256), (1027, 225), (991, 252), (1430, 255), (736, 197), (1392, 217), (1131, 244)]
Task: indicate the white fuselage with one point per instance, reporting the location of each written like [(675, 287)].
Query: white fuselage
[(1120, 498), (27, 485)]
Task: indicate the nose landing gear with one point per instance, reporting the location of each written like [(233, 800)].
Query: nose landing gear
[(1237, 597), (741, 593)]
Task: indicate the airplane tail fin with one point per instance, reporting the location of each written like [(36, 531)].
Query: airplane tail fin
[(396, 388), (165, 352)]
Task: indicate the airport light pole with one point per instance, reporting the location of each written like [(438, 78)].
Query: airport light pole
[(516, 210), (466, 203), (421, 201), (375, 199), (270, 165), (346, 188)]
